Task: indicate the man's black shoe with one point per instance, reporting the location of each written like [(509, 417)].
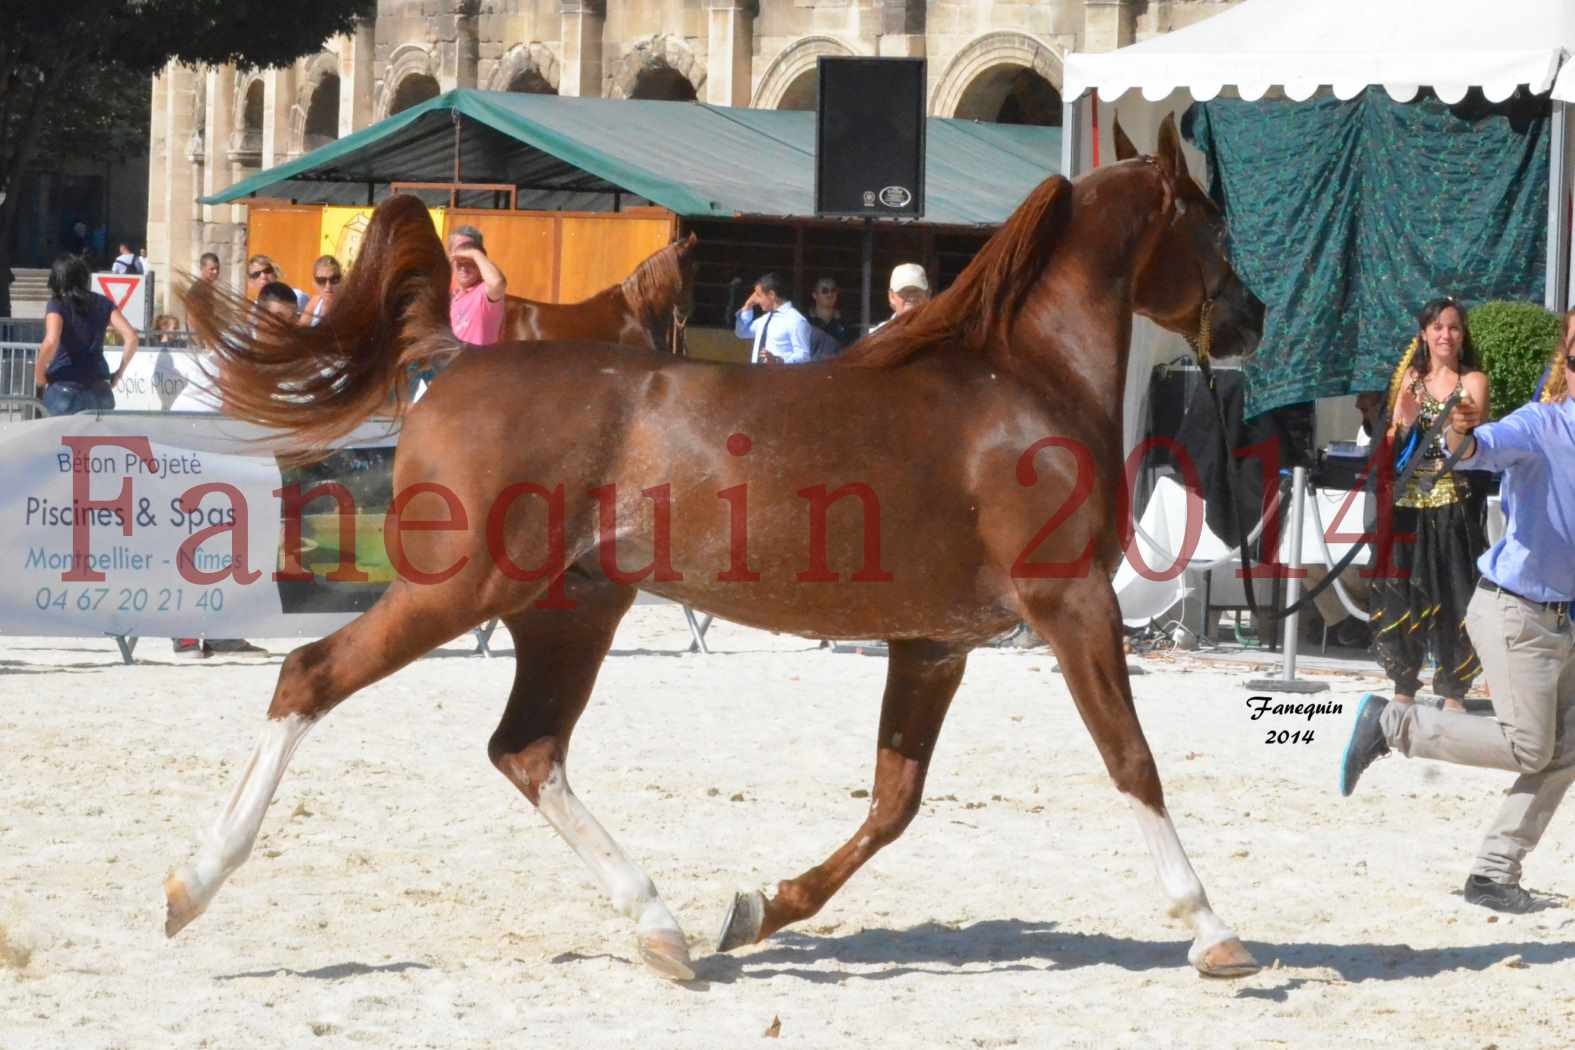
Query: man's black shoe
[(1367, 742), (1500, 896)]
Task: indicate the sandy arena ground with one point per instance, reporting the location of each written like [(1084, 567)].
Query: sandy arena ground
[(402, 894)]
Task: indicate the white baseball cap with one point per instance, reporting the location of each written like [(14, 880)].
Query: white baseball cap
[(909, 275)]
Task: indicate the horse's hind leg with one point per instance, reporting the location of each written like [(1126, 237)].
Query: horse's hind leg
[(402, 625), (1082, 622), (921, 678), (557, 656)]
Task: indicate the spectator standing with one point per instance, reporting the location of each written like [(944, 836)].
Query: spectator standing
[(327, 275), (127, 261), (908, 289), (71, 367), (262, 271), (477, 305), (780, 334), (79, 242), (831, 335), (208, 268)]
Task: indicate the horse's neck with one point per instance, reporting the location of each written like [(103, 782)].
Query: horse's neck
[(1075, 332)]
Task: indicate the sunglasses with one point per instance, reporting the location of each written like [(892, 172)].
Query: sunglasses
[(1569, 362), (331, 279), (255, 274)]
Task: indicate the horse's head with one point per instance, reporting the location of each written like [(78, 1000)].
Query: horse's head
[(1186, 283), (661, 291)]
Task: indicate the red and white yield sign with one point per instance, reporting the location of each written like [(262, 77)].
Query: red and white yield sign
[(129, 293)]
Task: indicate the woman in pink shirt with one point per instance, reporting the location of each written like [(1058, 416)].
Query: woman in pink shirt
[(476, 309)]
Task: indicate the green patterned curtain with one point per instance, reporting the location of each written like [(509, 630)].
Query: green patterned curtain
[(1347, 216)]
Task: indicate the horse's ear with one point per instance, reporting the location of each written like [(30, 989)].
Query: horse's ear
[(1124, 148), (1168, 153)]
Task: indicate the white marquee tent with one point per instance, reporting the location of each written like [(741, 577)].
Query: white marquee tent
[(1299, 47), (1348, 45), (1296, 48)]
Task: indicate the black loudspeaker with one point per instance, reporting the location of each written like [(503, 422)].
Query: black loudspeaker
[(869, 137)]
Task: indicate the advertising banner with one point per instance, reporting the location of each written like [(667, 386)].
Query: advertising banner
[(173, 525), (160, 380)]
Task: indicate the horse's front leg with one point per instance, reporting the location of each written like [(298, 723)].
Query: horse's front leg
[(1082, 622), (404, 623), (921, 678)]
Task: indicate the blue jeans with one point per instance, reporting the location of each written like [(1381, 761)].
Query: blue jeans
[(67, 397)]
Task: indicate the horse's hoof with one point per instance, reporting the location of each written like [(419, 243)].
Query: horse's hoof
[(1228, 958), (665, 952), (180, 909), (743, 921)]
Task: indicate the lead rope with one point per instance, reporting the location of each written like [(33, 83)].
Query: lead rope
[(679, 344), (1382, 446)]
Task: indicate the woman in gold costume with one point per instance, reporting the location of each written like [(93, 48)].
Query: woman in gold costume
[(1419, 598)]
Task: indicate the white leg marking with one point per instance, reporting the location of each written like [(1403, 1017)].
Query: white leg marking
[(228, 842), (1180, 882), (632, 892)]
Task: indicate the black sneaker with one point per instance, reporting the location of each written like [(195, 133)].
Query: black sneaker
[(1500, 896), (1367, 742)]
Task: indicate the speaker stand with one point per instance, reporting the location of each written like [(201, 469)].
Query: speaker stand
[(869, 265)]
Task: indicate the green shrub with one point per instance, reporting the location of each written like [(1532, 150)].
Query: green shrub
[(1515, 342)]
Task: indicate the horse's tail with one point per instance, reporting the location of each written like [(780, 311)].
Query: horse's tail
[(319, 383)]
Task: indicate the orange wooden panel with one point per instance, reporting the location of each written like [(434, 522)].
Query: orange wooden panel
[(290, 235), (600, 250), (520, 243)]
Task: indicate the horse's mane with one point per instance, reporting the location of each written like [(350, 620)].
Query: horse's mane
[(654, 285), (978, 310)]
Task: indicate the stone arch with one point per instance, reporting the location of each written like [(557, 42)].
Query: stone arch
[(314, 118), (1001, 72), (659, 66), (787, 71), (526, 67), (246, 121), (408, 63)]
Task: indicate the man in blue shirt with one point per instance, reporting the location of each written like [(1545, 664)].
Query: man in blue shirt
[(1519, 622), (780, 333)]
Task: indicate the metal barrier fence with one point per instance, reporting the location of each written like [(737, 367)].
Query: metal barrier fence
[(21, 330), (16, 368), (20, 409)]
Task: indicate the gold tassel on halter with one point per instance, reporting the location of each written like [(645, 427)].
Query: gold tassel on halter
[(1398, 380)]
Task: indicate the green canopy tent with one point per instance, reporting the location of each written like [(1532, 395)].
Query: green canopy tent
[(697, 160), (701, 162)]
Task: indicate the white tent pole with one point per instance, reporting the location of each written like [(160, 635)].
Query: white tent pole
[(1567, 111), (1072, 136), (1558, 287)]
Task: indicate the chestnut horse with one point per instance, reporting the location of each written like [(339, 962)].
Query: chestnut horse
[(647, 309), (980, 434)]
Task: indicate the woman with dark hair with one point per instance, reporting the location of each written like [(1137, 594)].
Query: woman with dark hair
[(1419, 599), (71, 366)]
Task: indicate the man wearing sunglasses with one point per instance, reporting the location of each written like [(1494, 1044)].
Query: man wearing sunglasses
[(1519, 622)]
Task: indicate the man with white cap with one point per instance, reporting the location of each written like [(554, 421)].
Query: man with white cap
[(909, 288)]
